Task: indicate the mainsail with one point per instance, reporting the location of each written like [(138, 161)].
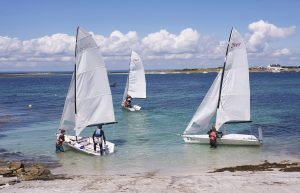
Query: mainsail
[(234, 97), (136, 81), (229, 95), (89, 100)]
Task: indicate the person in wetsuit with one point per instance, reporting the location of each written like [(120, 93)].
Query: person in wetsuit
[(98, 138)]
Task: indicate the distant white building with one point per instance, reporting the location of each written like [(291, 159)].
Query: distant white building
[(274, 68)]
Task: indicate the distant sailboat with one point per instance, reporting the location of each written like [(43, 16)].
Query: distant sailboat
[(89, 101), (136, 83), (228, 99)]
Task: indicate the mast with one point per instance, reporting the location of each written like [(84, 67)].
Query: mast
[(128, 74), (75, 72), (220, 91)]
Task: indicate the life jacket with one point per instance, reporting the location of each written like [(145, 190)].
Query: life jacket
[(98, 133), (59, 139), (212, 135)]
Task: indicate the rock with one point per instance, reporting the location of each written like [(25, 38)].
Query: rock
[(15, 165), (35, 172), (6, 172), (29, 172)]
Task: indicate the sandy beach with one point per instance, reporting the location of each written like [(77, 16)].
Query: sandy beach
[(266, 181), (264, 177)]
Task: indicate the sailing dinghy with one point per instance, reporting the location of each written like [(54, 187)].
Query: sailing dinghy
[(89, 101), (228, 99), (136, 83)]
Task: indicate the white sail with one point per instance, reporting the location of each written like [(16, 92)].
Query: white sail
[(84, 40), (125, 93), (68, 116), (136, 77), (235, 92), (206, 110), (93, 100)]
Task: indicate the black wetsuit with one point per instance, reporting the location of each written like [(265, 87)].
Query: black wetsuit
[(99, 134)]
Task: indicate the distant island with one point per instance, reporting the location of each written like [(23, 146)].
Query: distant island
[(275, 68), (270, 68)]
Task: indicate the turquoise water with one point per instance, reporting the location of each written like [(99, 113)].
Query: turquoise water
[(149, 140)]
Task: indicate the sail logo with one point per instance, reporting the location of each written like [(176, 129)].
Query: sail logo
[(235, 45)]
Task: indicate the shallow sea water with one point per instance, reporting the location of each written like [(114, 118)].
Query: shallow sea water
[(149, 140)]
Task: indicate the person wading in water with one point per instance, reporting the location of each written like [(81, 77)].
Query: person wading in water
[(213, 137)]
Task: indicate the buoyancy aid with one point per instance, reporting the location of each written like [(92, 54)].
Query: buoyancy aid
[(60, 139), (212, 135), (98, 133)]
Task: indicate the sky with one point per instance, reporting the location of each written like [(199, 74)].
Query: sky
[(168, 34)]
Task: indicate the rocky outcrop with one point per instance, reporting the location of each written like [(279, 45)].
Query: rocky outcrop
[(16, 171), (35, 172)]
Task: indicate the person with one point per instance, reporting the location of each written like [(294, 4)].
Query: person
[(98, 138), (128, 102), (59, 141), (213, 137)]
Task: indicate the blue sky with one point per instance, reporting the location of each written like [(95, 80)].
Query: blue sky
[(156, 29)]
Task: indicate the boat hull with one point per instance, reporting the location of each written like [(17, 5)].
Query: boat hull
[(86, 145), (229, 139), (134, 108)]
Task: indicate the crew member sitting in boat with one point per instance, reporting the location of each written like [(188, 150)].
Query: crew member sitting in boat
[(59, 141), (98, 138), (127, 102)]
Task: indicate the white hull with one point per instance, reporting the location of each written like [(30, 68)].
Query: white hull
[(229, 139), (86, 145), (134, 108)]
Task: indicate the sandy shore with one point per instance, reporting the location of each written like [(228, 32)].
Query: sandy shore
[(265, 181)]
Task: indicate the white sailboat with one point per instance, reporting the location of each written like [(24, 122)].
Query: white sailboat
[(228, 99), (136, 82), (89, 100)]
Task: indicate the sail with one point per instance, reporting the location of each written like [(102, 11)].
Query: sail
[(125, 93), (136, 77), (206, 110), (84, 40), (68, 116), (235, 92), (93, 101)]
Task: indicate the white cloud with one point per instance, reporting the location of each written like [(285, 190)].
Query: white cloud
[(281, 52), (117, 43), (163, 42), (264, 32), (188, 45)]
